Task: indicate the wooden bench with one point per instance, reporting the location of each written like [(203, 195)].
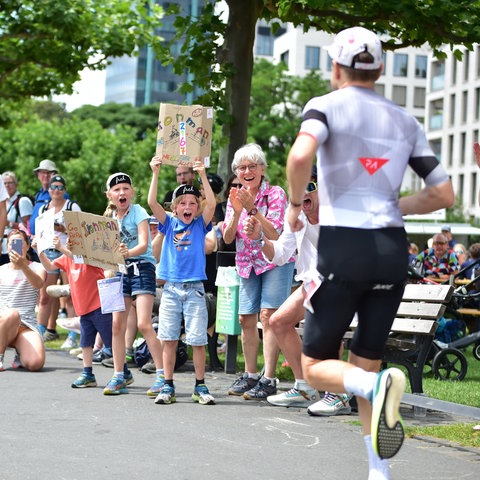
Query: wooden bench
[(413, 329)]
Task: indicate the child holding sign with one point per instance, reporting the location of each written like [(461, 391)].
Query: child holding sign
[(182, 265), (138, 282), (82, 279)]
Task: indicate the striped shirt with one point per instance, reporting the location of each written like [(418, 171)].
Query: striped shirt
[(17, 292)]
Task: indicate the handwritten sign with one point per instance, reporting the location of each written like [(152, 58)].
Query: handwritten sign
[(95, 240), (184, 132)]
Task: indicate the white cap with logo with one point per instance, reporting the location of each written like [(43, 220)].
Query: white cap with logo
[(352, 41)]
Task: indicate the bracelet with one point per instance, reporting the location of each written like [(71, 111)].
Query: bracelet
[(295, 205), (260, 239)]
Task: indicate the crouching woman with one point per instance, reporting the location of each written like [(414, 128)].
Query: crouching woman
[(20, 281)]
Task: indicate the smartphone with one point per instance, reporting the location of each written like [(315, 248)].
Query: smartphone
[(17, 245)]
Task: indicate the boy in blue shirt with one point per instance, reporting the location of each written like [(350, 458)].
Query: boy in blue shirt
[(182, 266)]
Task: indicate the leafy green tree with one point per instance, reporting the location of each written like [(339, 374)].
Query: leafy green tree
[(277, 101), (221, 54), (45, 44), (85, 154)]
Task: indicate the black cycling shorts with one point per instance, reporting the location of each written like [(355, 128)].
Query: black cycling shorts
[(364, 272)]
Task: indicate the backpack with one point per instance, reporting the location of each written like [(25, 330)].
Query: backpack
[(16, 205), (68, 207)]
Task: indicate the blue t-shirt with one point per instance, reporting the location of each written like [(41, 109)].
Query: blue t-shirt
[(183, 250), (129, 231)]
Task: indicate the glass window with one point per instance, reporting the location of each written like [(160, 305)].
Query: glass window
[(473, 189), (438, 75), (436, 117), (284, 57), (437, 148), (384, 60), (312, 58), (400, 65), (399, 95), (421, 66), (329, 64), (264, 42), (419, 97)]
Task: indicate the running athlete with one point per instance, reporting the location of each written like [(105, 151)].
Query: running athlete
[(363, 144)]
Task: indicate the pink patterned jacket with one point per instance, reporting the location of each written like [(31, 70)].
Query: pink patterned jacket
[(271, 202)]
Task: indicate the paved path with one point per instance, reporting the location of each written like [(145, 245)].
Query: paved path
[(50, 431)]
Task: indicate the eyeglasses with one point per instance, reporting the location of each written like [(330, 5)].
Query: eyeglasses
[(8, 183), (440, 243), (311, 187), (60, 188), (459, 252), (235, 185), (243, 168)]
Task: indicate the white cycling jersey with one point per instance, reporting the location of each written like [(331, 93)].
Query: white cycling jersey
[(365, 144)]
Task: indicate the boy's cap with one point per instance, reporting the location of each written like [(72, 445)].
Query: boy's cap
[(446, 228), (58, 179), (185, 190), (153, 220), (117, 178), (352, 41), (46, 165)]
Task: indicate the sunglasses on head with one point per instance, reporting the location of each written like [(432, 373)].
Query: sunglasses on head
[(60, 188), (311, 187)]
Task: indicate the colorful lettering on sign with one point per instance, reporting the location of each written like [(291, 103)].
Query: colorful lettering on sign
[(99, 226), (183, 138)]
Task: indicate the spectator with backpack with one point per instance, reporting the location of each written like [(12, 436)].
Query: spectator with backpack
[(19, 210), (57, 205)]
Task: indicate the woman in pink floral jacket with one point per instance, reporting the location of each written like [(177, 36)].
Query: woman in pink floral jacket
[(263, 286)]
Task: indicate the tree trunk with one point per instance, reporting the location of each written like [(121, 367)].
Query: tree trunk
[(238, 52)]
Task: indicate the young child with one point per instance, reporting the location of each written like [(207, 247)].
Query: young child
[(82, 279), (138, 282), (182, 266)]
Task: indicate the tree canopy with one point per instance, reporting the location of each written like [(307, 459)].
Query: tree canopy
[(45, 44)]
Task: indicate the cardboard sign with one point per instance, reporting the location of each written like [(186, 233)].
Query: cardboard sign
[(95, 240), (45, 230), (184, 132)]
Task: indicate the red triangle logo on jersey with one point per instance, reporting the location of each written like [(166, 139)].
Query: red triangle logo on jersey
[(372, 165)]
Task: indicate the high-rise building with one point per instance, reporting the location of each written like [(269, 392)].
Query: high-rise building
[(453, 121), (143, 79)]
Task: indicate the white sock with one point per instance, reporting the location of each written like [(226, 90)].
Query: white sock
[(253, 375), (359, 382), (301, 384), (377, 469)]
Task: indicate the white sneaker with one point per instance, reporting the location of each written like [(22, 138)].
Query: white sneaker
[(69, 343), (58, 291), (331, 404), (71, 324), (294, 398)]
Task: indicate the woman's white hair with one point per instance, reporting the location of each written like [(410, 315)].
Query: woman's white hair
[(252, 152)]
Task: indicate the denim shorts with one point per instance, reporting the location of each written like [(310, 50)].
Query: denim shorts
[(141, 284), (94, 322), (52, 255), (183, 301), (267, 290)]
